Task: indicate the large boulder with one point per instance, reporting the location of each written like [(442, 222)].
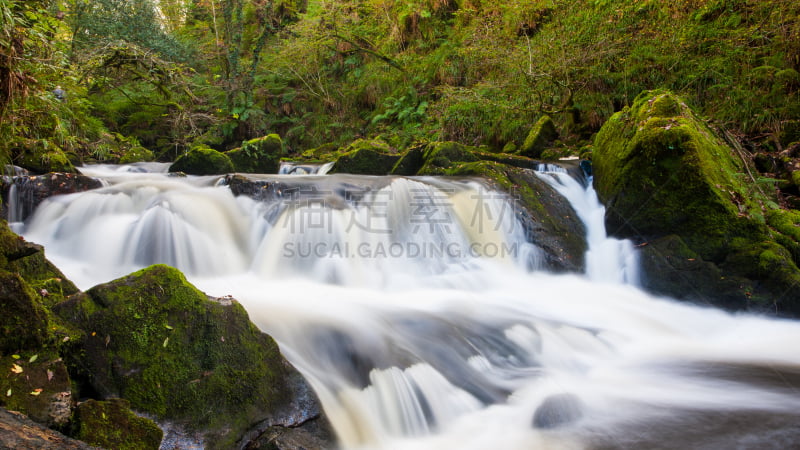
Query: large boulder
[(155, 340), (674, 186), (260, 155), (42, 156), (202, 160)]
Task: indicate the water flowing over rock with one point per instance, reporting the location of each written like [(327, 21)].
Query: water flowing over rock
[(21, 195), (457, 347)]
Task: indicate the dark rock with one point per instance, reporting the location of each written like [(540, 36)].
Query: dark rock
[(20, 433), (558, 410), (23, 194)]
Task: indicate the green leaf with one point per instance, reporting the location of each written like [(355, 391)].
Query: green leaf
[(166, 341), (33, 358)]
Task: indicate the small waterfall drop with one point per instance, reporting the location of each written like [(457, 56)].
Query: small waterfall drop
[(607, 259), (395, 299)]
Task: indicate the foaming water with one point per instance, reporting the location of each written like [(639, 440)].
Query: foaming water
[(392, 296)]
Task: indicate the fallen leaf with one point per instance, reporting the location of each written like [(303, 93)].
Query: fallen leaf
[(166, 341), (49, 375), (33, 358), (8, 393), (16, 368), (16, 356), (168, 327), (66, 338), (37, 391)]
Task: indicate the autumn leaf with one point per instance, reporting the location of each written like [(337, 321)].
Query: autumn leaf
[(16, 368), (37, 391), (16, 356)]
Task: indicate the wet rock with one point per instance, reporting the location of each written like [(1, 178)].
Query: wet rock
[(23, 194), (557, 411), (19, 432)]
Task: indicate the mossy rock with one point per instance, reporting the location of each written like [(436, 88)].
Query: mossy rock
[(37, 384), (44, 157), (156, 341), (410, 162), (260, 155), (439, 157), (542, 134), (366, 157), (661, 171), (137, 154), (112, 424), (24, 321), (203, 161)]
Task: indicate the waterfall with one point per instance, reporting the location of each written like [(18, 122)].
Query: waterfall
[(409, 306), (608, 259)]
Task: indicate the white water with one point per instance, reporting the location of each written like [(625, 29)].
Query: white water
[(452, 348)]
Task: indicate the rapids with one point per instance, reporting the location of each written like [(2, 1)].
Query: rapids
[(424, 320)]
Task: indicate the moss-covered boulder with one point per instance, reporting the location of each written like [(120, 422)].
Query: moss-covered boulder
[(410, 161), (203, 160), (260, 155), (137, 154), (111, 424), (366, 157), (155, 340), (542, 135), (42, 156), (661, 171), (35, 380)]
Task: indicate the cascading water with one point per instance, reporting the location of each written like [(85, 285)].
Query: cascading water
[(409, 307)]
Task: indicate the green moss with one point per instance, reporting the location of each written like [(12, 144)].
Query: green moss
[(661, 171), (542, 134), (260, 155), (203, 161), (440, 157), (111, 424), (32, 381), (155, 340), (660, 175), (137, 154), (366, 157), (41, 156), (24, 322)]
